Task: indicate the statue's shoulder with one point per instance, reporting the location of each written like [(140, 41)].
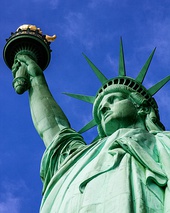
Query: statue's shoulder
[(165, 133), (162, 136), (155, 132)]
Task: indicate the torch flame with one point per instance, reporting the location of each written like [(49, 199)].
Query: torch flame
[(34, 28)]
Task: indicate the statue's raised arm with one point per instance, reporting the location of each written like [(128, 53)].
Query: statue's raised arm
[(27, 53), (47, 116)]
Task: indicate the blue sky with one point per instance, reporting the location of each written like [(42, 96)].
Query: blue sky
[(93, 27)]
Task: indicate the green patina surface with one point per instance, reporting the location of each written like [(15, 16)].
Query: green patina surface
[(126, 170)]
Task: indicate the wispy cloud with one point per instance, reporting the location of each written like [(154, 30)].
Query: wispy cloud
[(94, 3), (77, 28), (156, 32), (52, 3), (10, 204), (74, 24), (161, 32), (10, 201), (113, 62)]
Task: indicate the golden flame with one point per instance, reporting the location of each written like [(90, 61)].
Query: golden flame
[(34, 28)]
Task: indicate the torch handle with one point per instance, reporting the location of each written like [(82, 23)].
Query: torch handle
[(21, 81)]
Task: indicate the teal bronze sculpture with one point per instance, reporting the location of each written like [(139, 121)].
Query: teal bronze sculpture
[(126, 169)]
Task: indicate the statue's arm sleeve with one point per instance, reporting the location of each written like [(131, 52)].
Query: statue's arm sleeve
[(63, 147)]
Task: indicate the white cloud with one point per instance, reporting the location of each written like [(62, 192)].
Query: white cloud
[(52, 3), (112, 61), (77, 28), (10, 204), (94, 3), (161, 32), (156, 32), (74, 24), (10, 201)]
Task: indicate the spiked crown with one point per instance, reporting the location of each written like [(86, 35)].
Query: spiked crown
[(123, 83)]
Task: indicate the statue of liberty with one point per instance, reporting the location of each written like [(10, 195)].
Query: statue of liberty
[(126, 169)]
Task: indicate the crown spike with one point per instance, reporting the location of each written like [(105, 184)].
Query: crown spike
[(122, 71), (98, 73), (86, 98), (96, 138), (153, 90), (144, 69), (88, 126)]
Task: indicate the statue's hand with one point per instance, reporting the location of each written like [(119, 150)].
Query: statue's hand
[(24, 69), (30, 65)]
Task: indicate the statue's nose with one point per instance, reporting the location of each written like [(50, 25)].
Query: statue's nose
[(105, 107)]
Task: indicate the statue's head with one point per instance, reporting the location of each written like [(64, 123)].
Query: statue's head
[(123, 101)]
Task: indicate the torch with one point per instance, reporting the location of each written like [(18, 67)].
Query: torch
[(27, 40)]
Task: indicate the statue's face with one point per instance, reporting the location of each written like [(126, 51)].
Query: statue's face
[(116, 111)]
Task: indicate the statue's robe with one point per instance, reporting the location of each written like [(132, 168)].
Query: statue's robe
[(126, 172)]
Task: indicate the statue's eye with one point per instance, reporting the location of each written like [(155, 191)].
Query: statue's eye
[(111, 99)]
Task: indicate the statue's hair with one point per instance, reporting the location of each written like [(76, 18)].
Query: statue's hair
[(152, 118)]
